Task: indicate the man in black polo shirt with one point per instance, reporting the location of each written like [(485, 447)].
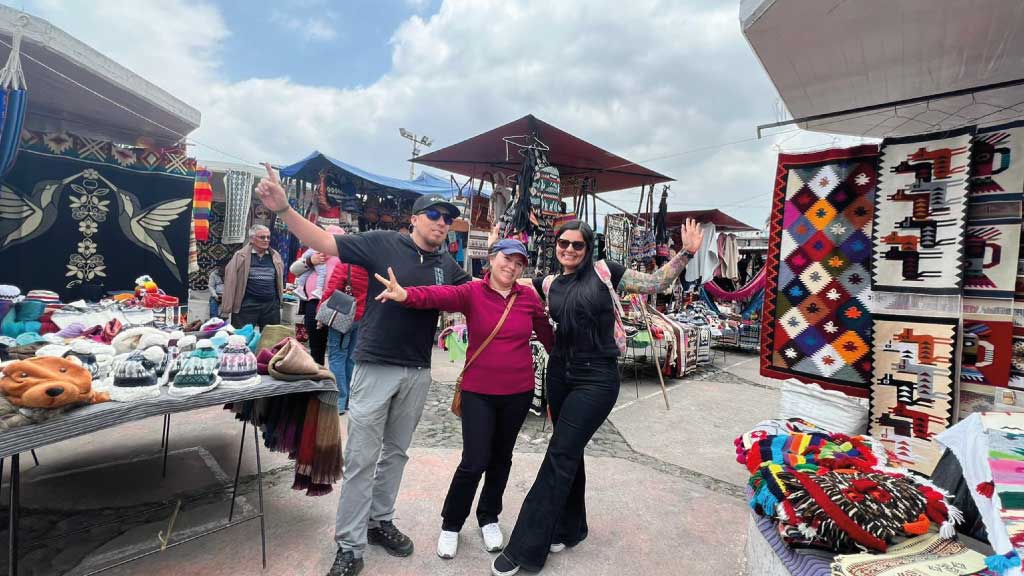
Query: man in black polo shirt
[(254, 282), (392, 366)]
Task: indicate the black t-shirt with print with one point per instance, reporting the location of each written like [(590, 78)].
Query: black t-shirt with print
[(602, 344), (390, 333)]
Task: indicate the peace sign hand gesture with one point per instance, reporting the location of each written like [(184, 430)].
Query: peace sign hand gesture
[(693, 236), (393, 290), (271, 192)]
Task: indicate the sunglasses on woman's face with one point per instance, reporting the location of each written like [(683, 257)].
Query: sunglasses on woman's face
[(577, 245), (435, 214)]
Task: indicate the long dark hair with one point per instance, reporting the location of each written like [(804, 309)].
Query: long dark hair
[(583, 290)]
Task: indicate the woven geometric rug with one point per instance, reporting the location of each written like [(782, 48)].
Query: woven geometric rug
[(816, 325), (929, 555), (913, 390), (920, 210)]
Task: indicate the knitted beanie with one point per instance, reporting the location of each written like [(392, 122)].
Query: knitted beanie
[(90, 352), (73, 330), (237, 364), (10, 293), (130, 338), (88, 361), (58, 350), (199, 374), (27, 338), (23, 318), (179, 354), (44, 296), (220, 339), (136, 376)]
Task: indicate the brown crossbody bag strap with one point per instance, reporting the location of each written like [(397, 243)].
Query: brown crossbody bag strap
[(457, 399)]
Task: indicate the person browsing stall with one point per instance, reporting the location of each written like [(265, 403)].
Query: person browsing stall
[(582, 384), (392, 365), (496, 385), (254, 282)]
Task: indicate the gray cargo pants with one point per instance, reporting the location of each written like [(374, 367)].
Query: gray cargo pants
[(384, 407)]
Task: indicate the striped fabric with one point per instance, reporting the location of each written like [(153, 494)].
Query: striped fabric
[(97, 417), (797, 562), (202, 202)]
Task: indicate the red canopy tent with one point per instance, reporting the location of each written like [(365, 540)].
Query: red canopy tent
[(572, 156)]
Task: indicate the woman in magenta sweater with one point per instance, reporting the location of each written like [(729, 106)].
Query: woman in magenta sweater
[(497, 387)]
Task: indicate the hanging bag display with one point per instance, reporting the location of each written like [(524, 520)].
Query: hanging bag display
[(339, 311), (457, 399)]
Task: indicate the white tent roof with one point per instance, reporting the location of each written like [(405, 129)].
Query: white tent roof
[(827, 56), (56, 103)]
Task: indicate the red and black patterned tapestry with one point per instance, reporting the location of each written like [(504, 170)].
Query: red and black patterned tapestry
[(816, 325), (78, 211)]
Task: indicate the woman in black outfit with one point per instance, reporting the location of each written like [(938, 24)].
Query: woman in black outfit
[(582, 384)]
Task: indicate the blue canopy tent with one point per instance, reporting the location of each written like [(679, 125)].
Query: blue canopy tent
[(309, 168)]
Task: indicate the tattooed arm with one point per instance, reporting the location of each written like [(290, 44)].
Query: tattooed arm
[(640, 283), (662, 278)]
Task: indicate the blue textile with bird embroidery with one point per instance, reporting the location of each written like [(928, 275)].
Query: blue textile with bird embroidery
[(78, 211)]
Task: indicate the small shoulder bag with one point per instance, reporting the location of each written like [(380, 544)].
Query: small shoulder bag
[(339, 311), (457, 399)]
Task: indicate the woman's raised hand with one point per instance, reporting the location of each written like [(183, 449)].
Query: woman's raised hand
[(392, 289), (692, 236)]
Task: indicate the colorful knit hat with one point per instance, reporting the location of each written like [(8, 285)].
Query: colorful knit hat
[(44, 296), (10, 293), (179, 354), (237, 364), (23, 318), (199, 374), (102, 354), (137, 376), (211, 326)]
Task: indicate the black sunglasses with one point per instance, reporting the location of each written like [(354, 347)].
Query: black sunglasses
[(577, 245), (434, 214)]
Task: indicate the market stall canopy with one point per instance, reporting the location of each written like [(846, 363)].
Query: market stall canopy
[(309, 169), (721, 220), (572, 156), (64, 75), (839, 56)]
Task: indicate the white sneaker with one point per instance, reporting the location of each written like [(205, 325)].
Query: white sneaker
[(494, 540), (557, 547), (447, 544)]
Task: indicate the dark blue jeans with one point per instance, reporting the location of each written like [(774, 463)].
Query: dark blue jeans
[(581, 394)]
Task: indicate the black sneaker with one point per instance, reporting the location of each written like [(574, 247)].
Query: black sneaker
[(502, 566), (346, 564), (391, 538)]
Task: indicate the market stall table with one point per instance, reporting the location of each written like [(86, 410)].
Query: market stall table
[(96, 417)]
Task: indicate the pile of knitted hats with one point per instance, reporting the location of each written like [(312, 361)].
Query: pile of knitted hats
[(37, 389), (29, 314), (835, 491)]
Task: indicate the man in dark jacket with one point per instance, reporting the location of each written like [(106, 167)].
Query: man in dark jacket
[(392, 366), (254, 282)]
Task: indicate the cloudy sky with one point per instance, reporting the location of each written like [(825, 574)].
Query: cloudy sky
[(668, 84)]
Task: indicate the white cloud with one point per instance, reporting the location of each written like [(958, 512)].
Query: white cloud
[(316, 29), (644, 79)]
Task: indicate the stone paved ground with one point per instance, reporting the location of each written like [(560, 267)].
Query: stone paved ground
[(663, 490)]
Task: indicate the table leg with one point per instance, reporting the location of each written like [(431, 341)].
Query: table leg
[(167, 442), (12, 543), (259, 486), (238, 468)]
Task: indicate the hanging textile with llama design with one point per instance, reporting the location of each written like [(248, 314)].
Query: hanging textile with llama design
[(98, 213), (913, 390), (920, 210), (816, 325)]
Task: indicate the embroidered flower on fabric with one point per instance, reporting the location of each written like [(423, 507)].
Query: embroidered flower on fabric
[(88, 227), (87, 247), (90, 174), (86, 268), (790, 353)]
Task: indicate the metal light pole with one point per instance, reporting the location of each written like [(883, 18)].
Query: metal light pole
[(416, 142)]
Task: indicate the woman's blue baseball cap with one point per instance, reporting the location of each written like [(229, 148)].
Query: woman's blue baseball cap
[(509, 246)]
